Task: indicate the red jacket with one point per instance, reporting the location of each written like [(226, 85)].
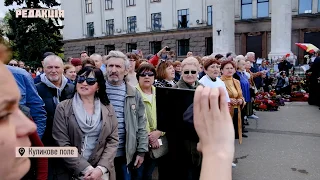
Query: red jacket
[(41, 163)]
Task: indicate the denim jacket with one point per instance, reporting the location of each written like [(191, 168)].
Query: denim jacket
[(30, 97)]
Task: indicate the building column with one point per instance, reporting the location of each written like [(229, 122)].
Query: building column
[(223, 26), (281, 28)]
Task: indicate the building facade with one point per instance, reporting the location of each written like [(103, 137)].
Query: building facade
[(186, 25)]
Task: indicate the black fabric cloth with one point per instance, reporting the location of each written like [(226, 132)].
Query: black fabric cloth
[(314, 88), (235, 123), (47, 94), (285, 66)]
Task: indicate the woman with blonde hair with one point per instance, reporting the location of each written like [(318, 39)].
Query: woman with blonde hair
[(70, 73), (190, 68)]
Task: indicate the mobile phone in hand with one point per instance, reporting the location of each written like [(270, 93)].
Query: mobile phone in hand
[(168, 49)]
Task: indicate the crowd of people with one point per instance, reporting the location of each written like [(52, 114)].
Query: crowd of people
[(106, 107)]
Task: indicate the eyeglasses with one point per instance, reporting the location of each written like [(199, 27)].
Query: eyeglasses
[(188, 72), (149, 74), (90, 81), (13, 64)]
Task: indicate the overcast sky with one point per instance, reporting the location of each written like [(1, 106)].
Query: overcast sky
[(4, 9)]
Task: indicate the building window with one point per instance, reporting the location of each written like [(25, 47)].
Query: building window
[(263, 8), (183, 47), (108, 48), (246, 9), (110, 27), (91, 50), (131, 46), (132, 24), (209, 46), (88, 6), (109, 4), (90, 29), (319, 6), (305, 6), (156, 21), (131, 3), (155, 47), (209, 14), (183, 18)]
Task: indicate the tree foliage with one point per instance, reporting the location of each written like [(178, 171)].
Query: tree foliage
[(31, 37)]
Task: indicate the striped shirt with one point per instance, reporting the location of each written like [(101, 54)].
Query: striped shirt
[(117, 95)]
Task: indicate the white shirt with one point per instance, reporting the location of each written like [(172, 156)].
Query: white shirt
[(206, 81)]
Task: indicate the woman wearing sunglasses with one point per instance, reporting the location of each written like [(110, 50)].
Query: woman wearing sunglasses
[(88, 122), (145, 76), (190, 68)]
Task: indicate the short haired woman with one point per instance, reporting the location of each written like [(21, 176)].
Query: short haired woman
[(241, 76), (145, 77), (70, 73), (177, 68), (88, 62), (212, 68), (237, 101), (190, 68), (165, 74), (88, 122)]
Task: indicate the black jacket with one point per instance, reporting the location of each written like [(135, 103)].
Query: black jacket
[(47, 94)]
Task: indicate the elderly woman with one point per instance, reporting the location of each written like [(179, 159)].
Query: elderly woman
[(165, 74), (190, 68), (237, 101), (241, 76), (211, 79), (145, 76), (70, 73), (88, 122)]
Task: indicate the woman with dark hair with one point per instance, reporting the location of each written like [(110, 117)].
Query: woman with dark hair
[(165, 74), (237, 101), (88, 62), (88, 122), (145, 76)]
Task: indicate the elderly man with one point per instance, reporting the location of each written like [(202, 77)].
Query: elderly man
[(37, 79), (53, 89), (97, 58), (257, 75), (128, 104)]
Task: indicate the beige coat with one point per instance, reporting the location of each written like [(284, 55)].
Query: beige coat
[(66, 132)]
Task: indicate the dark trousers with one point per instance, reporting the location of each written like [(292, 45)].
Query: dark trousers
[(127, 172), (149, 165), (235, 122)]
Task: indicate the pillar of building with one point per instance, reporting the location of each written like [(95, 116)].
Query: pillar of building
[(281, 28), (223, 26)]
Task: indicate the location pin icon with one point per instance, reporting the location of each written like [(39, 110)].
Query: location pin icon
[(21, 151)]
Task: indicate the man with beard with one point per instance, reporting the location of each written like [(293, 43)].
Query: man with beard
[(53, 89), (130, 110)]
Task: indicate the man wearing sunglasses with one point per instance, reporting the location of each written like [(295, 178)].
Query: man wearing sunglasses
[(130, 110), (13, 63)]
